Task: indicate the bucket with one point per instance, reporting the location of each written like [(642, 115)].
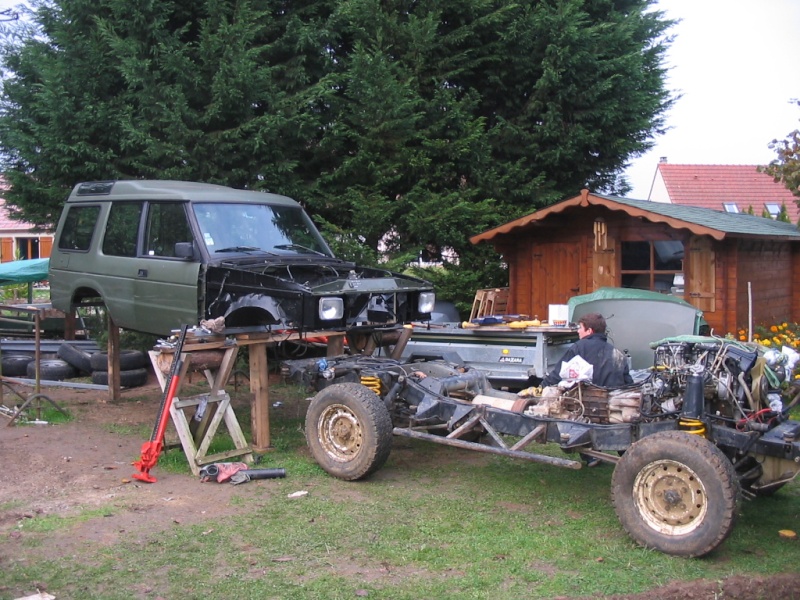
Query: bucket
[(558, 314)]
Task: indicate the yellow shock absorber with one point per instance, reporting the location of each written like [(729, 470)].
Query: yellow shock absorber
[(694, 426), (373, 383)]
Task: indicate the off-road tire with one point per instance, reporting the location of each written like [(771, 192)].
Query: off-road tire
[(75, 356), (15, 365), (349, 431), (128, 360), (51, 369), (676, 492), (130, 378)]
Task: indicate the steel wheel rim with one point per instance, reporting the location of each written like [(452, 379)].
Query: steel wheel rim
[(340, 431), (670, 497)]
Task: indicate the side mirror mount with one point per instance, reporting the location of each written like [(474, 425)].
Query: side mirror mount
[(184, 250)]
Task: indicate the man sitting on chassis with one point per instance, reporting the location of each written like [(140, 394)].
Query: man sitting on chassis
[(610, 366)]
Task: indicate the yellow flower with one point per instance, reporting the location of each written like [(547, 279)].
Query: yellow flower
[(766, 342)]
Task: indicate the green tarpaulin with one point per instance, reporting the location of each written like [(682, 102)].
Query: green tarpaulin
[(24, 271)]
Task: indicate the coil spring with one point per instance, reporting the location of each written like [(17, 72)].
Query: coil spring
[(693, 426), (373, 383)]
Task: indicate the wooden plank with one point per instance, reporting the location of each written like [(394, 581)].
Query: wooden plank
[(259, 386), (185, 436), (114, 390)]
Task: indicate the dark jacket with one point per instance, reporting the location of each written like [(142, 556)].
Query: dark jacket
[(610, 365)]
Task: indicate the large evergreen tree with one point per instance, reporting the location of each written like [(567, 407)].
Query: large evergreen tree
[(400, 124)]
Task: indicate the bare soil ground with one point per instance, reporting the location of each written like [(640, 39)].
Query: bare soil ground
[(86, 463)]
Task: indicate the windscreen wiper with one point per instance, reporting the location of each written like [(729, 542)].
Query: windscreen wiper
[(244, 249), (299, 247)]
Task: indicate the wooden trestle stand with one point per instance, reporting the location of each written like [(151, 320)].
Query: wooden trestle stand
[(196, 436)]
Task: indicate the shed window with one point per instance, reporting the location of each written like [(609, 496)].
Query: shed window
[(651, 265), (730, 207)]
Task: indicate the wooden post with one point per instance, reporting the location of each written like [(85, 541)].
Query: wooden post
[(259, 386), (114, 392), (335, 344)]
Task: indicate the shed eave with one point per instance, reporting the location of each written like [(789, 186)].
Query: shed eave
[(586, 199)]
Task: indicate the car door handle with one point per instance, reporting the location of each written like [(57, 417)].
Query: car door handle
[(142, 273)]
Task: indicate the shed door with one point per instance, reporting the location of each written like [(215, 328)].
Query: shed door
[(556, 274), (701, 269)]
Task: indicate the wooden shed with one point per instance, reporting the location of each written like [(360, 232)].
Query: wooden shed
[(723, 263)]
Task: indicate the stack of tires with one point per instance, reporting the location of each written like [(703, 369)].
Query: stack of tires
[(132, 364), (22, 364)]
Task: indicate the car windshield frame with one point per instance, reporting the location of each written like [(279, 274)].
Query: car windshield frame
[(228, 228)]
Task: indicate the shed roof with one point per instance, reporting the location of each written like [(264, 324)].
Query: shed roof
[(710, 186), (700, 221)]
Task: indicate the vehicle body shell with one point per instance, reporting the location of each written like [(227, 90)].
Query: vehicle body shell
[(160, 254)]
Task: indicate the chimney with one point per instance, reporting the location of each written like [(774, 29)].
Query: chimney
[(663, 159)]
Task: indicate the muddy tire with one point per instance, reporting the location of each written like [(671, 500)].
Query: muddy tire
[(131, 378), (349, 431), (128, 360), (676, 492), (16, 365), (52, 370), (75, 356)]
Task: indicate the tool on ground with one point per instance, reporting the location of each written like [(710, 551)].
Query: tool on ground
[(237, 473), (151, 450)]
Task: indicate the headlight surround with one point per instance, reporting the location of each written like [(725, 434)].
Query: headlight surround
[(331, 308), (427, 300)]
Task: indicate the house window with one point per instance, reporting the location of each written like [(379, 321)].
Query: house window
[(651, 265), (730, 207), (28, 248), (773, 209)]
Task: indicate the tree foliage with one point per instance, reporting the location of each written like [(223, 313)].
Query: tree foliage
[(785, 167), (399, 124)]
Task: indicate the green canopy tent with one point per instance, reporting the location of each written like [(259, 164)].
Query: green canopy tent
[(24, 271)]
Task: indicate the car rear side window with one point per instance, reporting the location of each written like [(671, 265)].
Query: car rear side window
[(122, 229), (78, 228)]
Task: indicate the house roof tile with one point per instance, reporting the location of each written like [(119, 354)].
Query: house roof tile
[(9, 224), (709, 186)]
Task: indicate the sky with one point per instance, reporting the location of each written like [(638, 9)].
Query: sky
[(734, 62)]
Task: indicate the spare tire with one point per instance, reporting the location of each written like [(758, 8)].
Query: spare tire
[(52, 369), (131, 378), (16, 365), (128, 360), (75, 356)]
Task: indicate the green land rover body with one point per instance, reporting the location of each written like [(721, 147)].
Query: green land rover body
[(160, 254)]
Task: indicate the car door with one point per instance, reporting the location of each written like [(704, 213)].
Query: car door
[(165, 290)]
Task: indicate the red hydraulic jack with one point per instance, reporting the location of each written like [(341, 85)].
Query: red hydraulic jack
[(152, 450)]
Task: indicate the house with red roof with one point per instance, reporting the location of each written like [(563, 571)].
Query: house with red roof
[(727, 188), (21, 240)]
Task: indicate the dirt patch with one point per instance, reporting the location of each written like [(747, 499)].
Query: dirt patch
[(785, 587), (85, 465)]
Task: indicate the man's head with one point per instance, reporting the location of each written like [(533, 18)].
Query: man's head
[(591, 323)]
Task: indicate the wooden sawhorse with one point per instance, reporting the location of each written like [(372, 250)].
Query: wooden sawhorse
[(196, 436)]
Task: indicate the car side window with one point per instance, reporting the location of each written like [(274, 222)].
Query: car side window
[(122, 229), (78, 228), (166, 226)]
